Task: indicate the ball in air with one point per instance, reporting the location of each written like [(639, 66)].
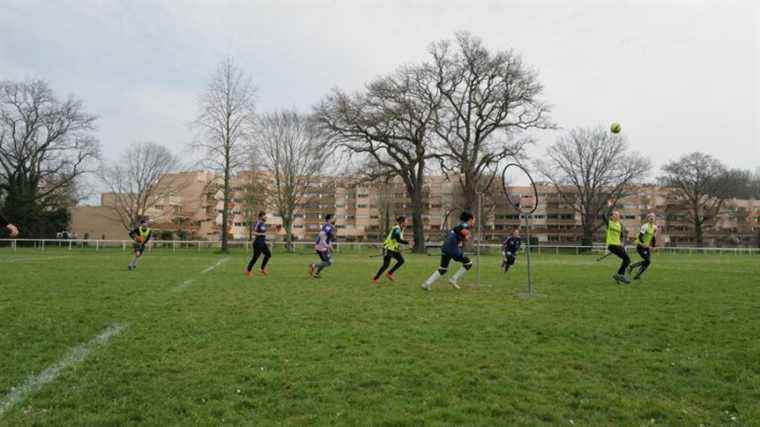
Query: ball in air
[(615, 127)]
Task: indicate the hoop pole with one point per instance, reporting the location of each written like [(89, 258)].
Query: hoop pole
[(527, 245), (480, 237)]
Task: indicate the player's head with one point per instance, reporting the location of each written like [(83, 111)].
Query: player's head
[(468, 218), (651, 217), (516, 232), (616, 215), (401, 220), (144, 222), (262, 216), (329, 218)]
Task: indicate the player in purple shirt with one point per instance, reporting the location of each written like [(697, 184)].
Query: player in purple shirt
[(259, 246), (324, 247)]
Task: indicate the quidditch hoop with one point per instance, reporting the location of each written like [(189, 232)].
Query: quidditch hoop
[(504, 186)]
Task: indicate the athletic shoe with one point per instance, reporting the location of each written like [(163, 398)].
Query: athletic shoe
[(316, 276), (390, 277), (454, 284), (312, 267), (129, 267), (376, 280), (426, 286), (620, 279), (248, 273), (264, 271)]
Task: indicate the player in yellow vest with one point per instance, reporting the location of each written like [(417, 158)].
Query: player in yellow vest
[(615, 243), (645, 244), (140, 235), (392, 250)]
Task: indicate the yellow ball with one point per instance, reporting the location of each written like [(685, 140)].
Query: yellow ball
[(615, 127)]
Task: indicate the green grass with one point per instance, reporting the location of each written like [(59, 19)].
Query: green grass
[(682, 347)]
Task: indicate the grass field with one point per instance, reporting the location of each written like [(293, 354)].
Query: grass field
[(208, 346)]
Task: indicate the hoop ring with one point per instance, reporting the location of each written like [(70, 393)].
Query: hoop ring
[(506, 189)]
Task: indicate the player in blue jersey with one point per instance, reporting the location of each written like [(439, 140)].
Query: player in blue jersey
[(259, 246), (324, 247), (452, 250)]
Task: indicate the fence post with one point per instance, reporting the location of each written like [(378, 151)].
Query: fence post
[(70, 242), (42, 247)]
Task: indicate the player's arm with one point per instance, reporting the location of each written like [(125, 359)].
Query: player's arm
[(134, 233), (642, 232), (11, 228), (654, 241), (397, 237)]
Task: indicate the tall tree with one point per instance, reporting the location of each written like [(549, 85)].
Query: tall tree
[(46, 145), (140, 180), (293, 155), (224, 124), (390, 124), (588, 167), (701, 182), (488, 99)]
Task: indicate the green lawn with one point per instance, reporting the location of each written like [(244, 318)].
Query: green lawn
[(682, 347)]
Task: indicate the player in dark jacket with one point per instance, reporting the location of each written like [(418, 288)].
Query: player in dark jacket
[(452, 249), (509, 248), (259, 246)]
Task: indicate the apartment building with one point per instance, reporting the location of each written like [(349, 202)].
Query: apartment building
[(365, 211)]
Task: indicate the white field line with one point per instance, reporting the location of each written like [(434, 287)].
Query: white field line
[(220, 262), (74, 356), (186, 284), (8, 261)]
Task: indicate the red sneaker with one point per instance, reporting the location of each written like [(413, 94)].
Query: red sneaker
[(391, 277), (264, 272), (376, 280), (248, 273)]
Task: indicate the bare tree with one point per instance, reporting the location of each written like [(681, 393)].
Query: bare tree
[(389, 123), (46, 145), (293, 155), (700, 181), (588, 167), (226, 113), (139, 180), (488, 99)]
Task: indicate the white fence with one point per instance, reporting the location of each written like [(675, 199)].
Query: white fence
[(185, 245)]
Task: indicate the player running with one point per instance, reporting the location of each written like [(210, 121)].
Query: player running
[(259, 246), (452, 249), (12, 229), (614, 239), (392, 250), (140, 235), (509, 248), (645, 243), (324, 247)]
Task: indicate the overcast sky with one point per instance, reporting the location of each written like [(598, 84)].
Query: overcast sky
[(679, 76)]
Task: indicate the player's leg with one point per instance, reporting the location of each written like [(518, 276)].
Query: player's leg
[(619, 251), (509, 262), (399, 262), (254, 258), (326, 261), (466, 266), (267, 255), (138, 251), (386, 263), (442, 269), (646, 255), (634, 265)]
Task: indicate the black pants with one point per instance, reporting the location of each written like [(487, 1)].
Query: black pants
[(258, 250), (619, 251), (646, 256), (507, 262), (456, 256), (387, 257)]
